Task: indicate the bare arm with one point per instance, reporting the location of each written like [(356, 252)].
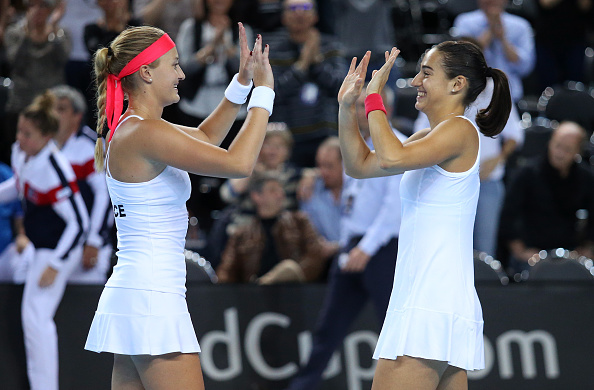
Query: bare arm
[(359, 161), (215, 127)]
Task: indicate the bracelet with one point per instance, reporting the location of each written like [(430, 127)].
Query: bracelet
[(374, 102), (262, 97), (236, 92)]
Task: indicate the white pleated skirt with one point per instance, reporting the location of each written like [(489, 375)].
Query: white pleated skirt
[(141, 322)]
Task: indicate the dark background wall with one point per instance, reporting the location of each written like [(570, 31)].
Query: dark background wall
[(538, 336)]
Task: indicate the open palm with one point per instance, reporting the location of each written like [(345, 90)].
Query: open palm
[(380, 77), (353, 82)]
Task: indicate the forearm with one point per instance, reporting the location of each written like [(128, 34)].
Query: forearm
[(387, 146), (510, 51), (359, 161), (217, 125), (246, 146)]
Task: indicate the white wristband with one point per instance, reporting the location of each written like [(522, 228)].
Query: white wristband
[(262, 97), (236, 92)]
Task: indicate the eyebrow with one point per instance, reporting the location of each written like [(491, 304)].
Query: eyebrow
[(426, 67)]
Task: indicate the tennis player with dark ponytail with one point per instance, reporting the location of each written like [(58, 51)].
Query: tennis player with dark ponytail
[(433, 331)]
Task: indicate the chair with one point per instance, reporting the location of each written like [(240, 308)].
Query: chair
[(198, 269), (488, 269), (571, 102), (536, 139), (561, 265)]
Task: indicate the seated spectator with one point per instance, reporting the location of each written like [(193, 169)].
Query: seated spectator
[(507, 40), (545, 199), (276, 245), (273, 157), (321, 190), (308, 70)]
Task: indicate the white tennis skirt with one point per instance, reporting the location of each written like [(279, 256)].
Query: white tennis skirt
[(141, 322)]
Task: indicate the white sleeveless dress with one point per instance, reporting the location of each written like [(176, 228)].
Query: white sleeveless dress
[(142, 309), (434, 311)]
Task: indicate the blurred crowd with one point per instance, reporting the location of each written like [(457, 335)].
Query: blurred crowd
[(290, 220)]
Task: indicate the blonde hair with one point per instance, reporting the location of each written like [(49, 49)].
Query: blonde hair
[(42, 113), (111, 60)]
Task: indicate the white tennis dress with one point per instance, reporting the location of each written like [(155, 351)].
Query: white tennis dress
[(142, 309), (434, 311)]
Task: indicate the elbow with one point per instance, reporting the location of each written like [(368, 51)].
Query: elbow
[(386, 164), (354, 173)]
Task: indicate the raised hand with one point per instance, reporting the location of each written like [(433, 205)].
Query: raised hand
[(353, 82), (380, 77), (262, 70), (246, 60)]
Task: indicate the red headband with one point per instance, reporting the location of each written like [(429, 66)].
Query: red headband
[(115, 95)]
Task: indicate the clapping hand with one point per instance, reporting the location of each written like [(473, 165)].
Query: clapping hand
[(380, 77), (262, 70), (353, 82), (246, 60)]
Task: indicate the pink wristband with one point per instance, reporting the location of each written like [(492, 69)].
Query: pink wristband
[(374, 102)]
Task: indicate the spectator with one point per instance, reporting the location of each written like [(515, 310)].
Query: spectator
[(322, 189), (507, 40), (77, 143), (493, 154), (56, 222), (375, 18), (209, 55), (167, 14), (115, 18), (273, 157), (544, 201), (364, 271), (309, 68), (37, 49), (79, 68), (276, 246), (13, 241), (561, 29)]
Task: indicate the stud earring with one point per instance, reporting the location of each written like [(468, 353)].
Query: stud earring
[(151, 80)]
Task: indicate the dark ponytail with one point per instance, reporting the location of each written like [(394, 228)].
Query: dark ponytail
[(463, 58), (492, 119)]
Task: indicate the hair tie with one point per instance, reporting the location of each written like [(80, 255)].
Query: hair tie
[(489, 72), (109, 51)]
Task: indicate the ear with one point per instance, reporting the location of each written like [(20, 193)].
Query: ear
[(458, 84), (145, 74)]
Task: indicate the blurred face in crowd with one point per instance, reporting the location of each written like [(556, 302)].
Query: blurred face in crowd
[(29, 136), (492, 6), (564, 145), (274, 153), (69, 119), (219, 7), (299, 15), (38, 12), (329, 163), (270, 200)]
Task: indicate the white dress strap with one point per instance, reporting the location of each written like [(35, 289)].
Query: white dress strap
[(108, 173)]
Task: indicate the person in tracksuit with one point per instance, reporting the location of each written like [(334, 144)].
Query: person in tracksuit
[(56, 222), (77, 142)]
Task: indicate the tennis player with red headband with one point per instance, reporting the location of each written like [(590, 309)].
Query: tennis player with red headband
[(142, 316)]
